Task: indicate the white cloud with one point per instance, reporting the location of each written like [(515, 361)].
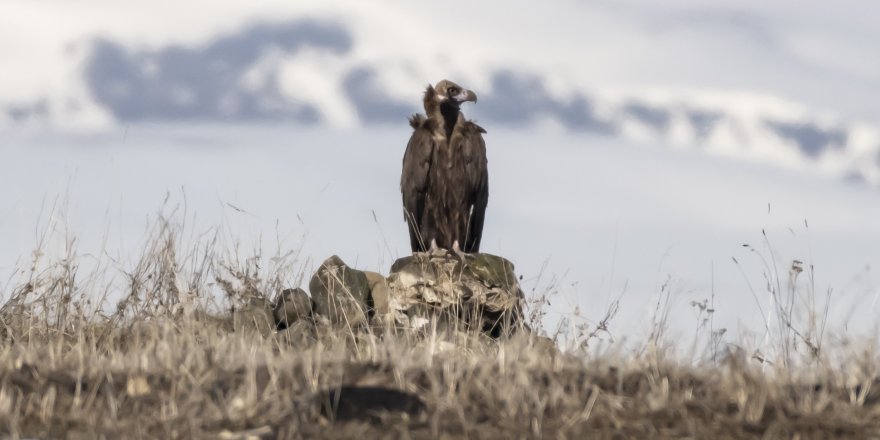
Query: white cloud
[(316, 78)]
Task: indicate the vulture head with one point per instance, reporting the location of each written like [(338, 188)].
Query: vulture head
[(450, 93)]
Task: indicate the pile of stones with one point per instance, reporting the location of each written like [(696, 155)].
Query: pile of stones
[(425, 291)]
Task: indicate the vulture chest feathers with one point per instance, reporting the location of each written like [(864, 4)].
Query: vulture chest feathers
[(445, 181)]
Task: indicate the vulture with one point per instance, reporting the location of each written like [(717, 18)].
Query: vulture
[(445, 183)]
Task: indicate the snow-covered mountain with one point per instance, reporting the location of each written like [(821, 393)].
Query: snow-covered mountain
[(321, 71)]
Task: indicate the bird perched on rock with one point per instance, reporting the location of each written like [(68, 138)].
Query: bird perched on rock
[(445, 183)]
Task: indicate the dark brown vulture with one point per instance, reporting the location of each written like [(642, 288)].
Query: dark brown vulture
[(445, 183)]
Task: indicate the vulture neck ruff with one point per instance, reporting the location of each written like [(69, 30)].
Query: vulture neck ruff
[(450, 114)]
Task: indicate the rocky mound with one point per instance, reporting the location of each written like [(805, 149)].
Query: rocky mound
[(438, 290)]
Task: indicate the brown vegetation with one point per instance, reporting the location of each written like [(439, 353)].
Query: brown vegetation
[(176, 358)]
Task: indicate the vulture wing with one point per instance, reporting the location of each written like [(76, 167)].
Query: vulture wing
[(478, 182), (414, 182)]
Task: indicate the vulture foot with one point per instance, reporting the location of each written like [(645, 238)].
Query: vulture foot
[(461, 255)]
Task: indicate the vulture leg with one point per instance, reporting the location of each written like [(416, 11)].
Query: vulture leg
[(461, 255)]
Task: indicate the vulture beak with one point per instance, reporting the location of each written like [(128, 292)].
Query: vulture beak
[(465, 96)]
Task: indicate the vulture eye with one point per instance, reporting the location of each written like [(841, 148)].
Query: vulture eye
[(452, 91)]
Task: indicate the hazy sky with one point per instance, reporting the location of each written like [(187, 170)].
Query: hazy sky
[(629, 141)]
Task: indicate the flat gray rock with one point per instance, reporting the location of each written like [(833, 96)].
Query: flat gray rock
[(482, 293)]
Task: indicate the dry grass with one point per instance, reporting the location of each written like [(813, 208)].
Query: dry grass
[(177, 345)]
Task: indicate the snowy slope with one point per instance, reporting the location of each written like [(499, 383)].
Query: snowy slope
[(752, 83)]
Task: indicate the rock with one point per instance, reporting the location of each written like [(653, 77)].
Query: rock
[(400, 263), (254, 316), (483, 293), (373, 277), (299, 333), (291, 306), (378, 292), (493, 270), (340, 293)]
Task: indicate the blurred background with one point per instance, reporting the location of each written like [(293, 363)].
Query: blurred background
[(634, 146)]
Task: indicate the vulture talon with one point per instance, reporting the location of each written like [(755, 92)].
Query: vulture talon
[(461, 255)]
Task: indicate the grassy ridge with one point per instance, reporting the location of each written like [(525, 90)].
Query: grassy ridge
[(177, 345)]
